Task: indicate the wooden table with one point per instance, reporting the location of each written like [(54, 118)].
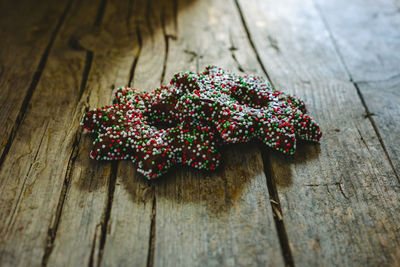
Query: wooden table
[(337, 203)]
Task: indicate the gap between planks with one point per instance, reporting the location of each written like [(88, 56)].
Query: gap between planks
[(152, 238), (52, 231), (268, 171), (273, 192), (107, 211), (88, 62), (105, 223), (152, 235), (270, 181), (34, 82), (373, 131), (359, 93)]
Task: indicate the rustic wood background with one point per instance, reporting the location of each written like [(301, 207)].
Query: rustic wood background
[(337, 203)]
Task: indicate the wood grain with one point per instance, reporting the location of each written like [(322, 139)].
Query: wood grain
[(130, 220), (371, 57), (221, 218), (85, 224), (370, 54), (28, 30), (339, 200), (35, 173), (382, 99), (331, 204)]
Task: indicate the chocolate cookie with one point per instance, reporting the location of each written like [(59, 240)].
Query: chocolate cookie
[(186, 122), (123, 133)]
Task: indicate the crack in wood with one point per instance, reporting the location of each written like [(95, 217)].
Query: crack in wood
[(23, 188), (150, 254), (323, 184), (105, 223), (107, 211), (333, 40), (375, 127), (136, 59), (362, 139), (368, 113), (100, 13), (250, 39), (329, 191), (86, 71), (35, 80), (195, 56), (277, 211), (192, 53), (52, 231), (166, 40), (239, 66), (232, 49), (393, 77), (338, 184), (147, 19), (152, 236), (273, 192), (342, 191), (273, 43)]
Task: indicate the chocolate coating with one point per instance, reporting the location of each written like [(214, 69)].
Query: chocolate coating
[(186, 122)]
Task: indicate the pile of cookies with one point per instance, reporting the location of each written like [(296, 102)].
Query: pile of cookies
[(189, 120)]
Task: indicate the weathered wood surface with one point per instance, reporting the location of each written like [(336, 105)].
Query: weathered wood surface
[(85, 221), (35, 174), (223, 218), (28, 27), (371, 58), (129, 227), (371, 54), (333, 204), (383, 100), (340, 200)]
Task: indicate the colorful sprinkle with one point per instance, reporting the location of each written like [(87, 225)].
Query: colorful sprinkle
[(187, 121)]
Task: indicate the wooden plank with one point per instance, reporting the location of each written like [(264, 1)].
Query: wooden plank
[(35, 174), (339, 200), (129, 230), (86, 224), (372, 58), (220, 218), (367, 36), (133, 198), (382, 99), (27, 28)]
